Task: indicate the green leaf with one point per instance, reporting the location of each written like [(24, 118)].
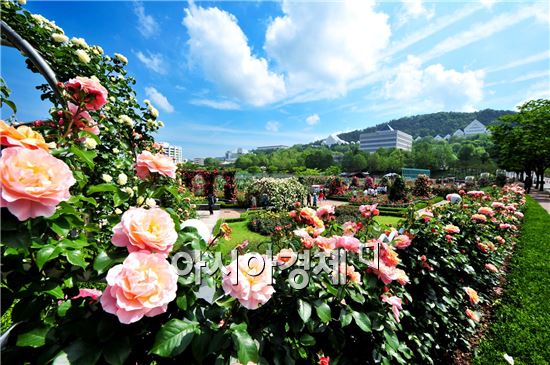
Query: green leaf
[(46, 254), (78, 353), (246, 347), (34, 338), (76, 258), (307, 340), (174, 337), (323, 311), (117, 350), (362, 321), (345, 318), (85, 156), (101, 188), (104, 261), (181, 301), (304, 310), (62, 231)]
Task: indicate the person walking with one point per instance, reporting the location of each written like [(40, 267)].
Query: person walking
[(315, 200), (211, 201), (253, 202), (321, 195), (527, 183)]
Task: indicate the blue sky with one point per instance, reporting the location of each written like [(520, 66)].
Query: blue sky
[(245, 74)]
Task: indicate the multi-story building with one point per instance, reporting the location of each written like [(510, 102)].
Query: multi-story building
[(271, 148), (371, 142), (175, 152), (475, 127)]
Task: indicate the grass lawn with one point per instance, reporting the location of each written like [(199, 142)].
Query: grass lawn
[(521, 325), (388, 220), (240, 233)]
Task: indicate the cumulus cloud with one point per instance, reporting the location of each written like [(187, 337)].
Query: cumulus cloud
[(147, 25), (216, 104), (272, 126), (324, 47), (218, 45), (413, 9), (153, 61), (313, 119), (158, 99), (435, 87)]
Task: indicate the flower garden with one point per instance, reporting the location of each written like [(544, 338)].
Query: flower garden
[(103, 260)]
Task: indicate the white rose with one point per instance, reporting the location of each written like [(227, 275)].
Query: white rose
[(79, 42), (161, 124), (150, 202), (124, 119), (107, 178), (147, 102), (122, 179), (118, 211), (154, 112), (116, 150), (112, 98), (140, 200), (83, 56), (90, 143), (128, 190), (121, 58), (60, 38), (22, 2), (39, 18), (135, 188)]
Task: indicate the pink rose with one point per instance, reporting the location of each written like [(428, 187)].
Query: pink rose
[(491, 267), (479, 218), (142, 285), (33, 182), (151, 230), (88, 293), (83, 120), (395, 303), (249, 279), (369, 210), (88, 91), (148, 163), (325, 244), (449, 228), (348, 243), (325, 211), (486, 211), (402, 241)]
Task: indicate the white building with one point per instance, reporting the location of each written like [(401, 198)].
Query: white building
[(332, 140), (458, 133), (475, 127), (232, 156), (271, 148), (175, 152), (438, 138), (371, 142)]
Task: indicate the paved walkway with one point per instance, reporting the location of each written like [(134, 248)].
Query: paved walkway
[(543, 198), (209, 219)]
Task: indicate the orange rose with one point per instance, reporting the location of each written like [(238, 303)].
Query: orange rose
[(23, 136)]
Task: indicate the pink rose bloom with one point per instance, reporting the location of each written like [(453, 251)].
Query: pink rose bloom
[(486, 211), (142, 285), (249, 280), (88, 293), (350, 228), (33, 182), (476, 194), (22, 136), (305, 238), (387, 274), (83, 120), (449, 228), (402, 241), (426, 215), (325, 211), (498, 205), (395, 303), (518, 214), (511, 208), (88, 91), (148, 163), (348, 243), (491, 267), (480, 218), (369, 210), (504, 226), (326, 244), (348, 273), (151, 230)]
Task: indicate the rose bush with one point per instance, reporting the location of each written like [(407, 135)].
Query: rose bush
[(360, 295)]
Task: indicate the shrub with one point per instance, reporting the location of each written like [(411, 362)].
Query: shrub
[(397, 189), (282, 193), (336, 186), (422, 186), (369, 182), (265, 222)]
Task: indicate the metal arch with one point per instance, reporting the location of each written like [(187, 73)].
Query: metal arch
[(11, 38)]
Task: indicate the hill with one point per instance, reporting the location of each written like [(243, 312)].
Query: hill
[(423, 125)]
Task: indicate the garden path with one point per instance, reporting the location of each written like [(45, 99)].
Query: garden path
[(209, 219), (336, 203), (543, 198)]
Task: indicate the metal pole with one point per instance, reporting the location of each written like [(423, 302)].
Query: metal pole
[(15, 40)]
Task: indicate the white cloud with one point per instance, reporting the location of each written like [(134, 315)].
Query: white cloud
[(218, 45), (526, 77), (158, 99), (322, 48), (435, 88), (272, 126), (153, 61), (413, 9), (216, 104), (482, 30), (522, 61), (313, 119), (147, 26), (488, 3)]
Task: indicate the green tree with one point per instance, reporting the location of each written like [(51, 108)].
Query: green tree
[(319, 159), (211, 162)]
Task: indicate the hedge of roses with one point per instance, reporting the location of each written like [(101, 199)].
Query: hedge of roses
[(86, 264), (282, 193)]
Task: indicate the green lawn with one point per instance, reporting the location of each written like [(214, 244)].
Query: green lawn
[(240, 233), (388, 220), (521, 325)]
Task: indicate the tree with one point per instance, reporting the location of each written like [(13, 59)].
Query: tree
[(319, 159), (522, 140), (211, 162), (352, 162)]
